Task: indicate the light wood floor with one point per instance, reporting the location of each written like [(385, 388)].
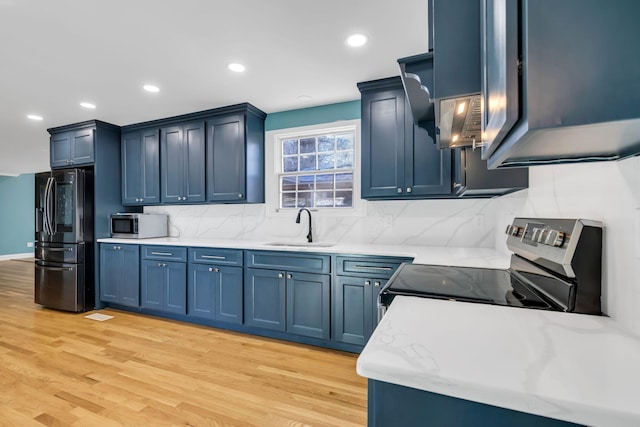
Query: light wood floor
[(61, 369)]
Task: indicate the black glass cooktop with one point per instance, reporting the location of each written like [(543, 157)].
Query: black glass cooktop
[(482, 285)]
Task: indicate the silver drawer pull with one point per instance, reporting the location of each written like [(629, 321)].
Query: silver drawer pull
[(161, 253), (368, 267), (57, 268), (213, 257)]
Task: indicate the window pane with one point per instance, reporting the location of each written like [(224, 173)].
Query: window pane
[(324, 182), (344, 159), (308, 163), (344, 180), (325, 161), (308, 145), (305, 182), (305, 200), (345, 142), (326, 143), (344, 199), (288, 200), (290, 146), (291, 164), (288, 183), (324, 199)]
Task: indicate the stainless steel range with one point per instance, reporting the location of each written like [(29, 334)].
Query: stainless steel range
[(555, 265)]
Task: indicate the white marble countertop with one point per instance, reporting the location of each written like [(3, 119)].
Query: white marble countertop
[(468, 257), (573, 367)]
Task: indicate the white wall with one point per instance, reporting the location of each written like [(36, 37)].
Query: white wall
[(604, 191)]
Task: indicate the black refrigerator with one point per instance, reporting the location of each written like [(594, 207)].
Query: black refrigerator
[(64, 249)]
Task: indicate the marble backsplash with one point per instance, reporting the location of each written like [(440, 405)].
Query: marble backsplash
[(604, 191)]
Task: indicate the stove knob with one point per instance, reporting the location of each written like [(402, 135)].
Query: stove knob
[(509, 229), (536, 233), (555, 238)]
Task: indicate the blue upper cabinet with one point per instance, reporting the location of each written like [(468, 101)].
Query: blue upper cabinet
[(182, 168), (141, 167), (211, 156), (559, 82), (73, 147), (235, 157), (399, 159)]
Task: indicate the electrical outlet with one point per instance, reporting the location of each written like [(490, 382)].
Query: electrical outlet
[(29, 244)]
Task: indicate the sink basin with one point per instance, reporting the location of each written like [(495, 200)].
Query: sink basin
[(301, 245)]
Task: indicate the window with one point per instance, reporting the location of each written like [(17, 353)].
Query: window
[(316, 171)]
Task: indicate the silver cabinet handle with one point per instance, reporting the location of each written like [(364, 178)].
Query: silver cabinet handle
[(214, 269), (162, 253), (59, 249), (367, 282), (240, 195), (368, 267), (408, 189), (289, 276), (399, 190), (213, 257), (377, 284), (280, 275), (57, 268)]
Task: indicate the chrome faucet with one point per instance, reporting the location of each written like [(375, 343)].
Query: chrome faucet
[(309, 236)]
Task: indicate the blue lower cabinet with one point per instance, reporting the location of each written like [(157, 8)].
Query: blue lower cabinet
[(355, 313), (298, 303), (120, 274), (395, 405), (163, 286), (265, 298), (215, 292), (308, 301)]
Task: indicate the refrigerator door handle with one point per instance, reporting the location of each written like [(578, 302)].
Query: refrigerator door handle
[(50, 205), (45, 207)]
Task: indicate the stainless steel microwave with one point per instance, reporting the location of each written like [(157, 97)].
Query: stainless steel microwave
[(138, 225)]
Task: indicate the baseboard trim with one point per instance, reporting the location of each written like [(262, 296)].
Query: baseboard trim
[(16, 256)]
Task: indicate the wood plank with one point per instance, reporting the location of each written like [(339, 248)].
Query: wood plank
[(61, 369)]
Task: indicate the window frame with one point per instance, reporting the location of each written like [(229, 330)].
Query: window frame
[(274, 157)]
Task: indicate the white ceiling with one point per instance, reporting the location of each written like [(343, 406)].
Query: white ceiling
[(56, 54)]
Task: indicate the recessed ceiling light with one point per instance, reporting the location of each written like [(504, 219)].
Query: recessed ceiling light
[(356, 40), (237, 67), (88, 105), (304, 98), (151, 88), (34, 117)]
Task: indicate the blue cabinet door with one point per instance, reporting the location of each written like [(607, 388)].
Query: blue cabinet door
[(428, 170), (60, 149), (183, 163), (120, 274), (308, 300), (164, 286), (226, 157), (110, 272), (194, 147), (129, 289), (201, 291), (383, 143), (82, 149), (353, 304), (141, 167), (152, 284), (215, 292), (265, 298), (229, 295)]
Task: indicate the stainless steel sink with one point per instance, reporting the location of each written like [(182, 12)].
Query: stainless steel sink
[(301, 245)]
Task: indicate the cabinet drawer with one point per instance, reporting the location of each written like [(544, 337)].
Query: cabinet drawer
[(365, 266), (215, 256), (290, 261), (170, 253)]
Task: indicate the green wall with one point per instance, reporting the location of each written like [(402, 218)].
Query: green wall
[(349, 110), (17, 205)]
